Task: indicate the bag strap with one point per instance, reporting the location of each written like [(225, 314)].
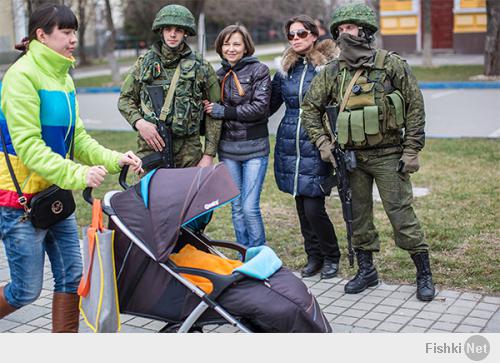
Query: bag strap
[(349, 88), (95, 226), (22, 199), (170, 94)]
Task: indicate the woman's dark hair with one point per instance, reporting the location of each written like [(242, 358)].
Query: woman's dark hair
[(307, 21), (47, 17), (230, 30)]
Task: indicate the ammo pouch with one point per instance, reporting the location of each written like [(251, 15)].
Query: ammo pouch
[(369, 112)]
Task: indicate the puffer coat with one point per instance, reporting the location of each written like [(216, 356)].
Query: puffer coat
[(298, 167)]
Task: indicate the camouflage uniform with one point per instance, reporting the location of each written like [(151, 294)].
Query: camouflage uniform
[(376, 162), (383, 121), (197, 82)]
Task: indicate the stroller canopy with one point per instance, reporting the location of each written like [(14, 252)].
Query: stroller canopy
[(166, 199)]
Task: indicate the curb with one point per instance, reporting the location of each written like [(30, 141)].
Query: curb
[(423, 85)]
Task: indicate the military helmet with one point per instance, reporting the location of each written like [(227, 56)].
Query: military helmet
[(176, 15), (357, 13)]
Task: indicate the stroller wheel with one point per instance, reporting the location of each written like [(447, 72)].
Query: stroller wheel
[(173, 328)]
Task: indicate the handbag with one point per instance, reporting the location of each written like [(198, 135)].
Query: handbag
[(47, 207), (98, 289)]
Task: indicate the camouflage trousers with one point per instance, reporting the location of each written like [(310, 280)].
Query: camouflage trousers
[(187, 151), (396, 193)]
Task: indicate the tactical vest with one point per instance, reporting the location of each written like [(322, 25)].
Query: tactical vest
[(186, 110), (373, 108)]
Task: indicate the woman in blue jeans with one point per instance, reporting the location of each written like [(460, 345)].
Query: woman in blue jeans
[(39, 121), (244, 143)]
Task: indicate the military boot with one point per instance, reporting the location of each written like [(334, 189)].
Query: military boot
[(367, 274), (312, 268), (425, 286)]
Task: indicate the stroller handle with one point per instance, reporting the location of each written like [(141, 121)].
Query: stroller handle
[(149, 162), (87, 195)]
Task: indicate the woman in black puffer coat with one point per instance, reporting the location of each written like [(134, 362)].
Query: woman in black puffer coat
[(244, 143), (298, 167)]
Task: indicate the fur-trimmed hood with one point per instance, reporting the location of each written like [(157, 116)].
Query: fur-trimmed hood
[(322, 52)]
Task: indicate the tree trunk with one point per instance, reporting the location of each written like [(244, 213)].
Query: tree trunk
[(82, 22), (110, 49), (492, 45), (427, 46)]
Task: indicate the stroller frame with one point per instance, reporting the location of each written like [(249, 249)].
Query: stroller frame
[(219, 282)]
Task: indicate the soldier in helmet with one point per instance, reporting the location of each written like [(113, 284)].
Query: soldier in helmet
[(381, 117), (171, 61)]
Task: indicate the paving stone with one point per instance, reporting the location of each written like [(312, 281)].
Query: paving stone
[(343, 303), (406, 312), (379, 292), (471, 296), (41, 322), (138, 322), (483, 314), (450, 318), (389, 327), (414, 304), (322, 286), (376, 316), (398, 319), (366, 323), (492, 300), (423, 323), (24, 328), (155, 325), (383, 286), (363, 306), (429, 315), (441, 325), (354, 313), (28, 313), (309, 283), (315, 278), (316, 292), (332, 294), (412, 329), (458, 310), (324, 300), (493, 325), (330, 317), (352, 297), (384, 309), (6, 325), (449, 293), (467, 329), (125, 317), (436, 307), (41, 330), (346, 320), (436, 331), (332, 309), (392, 302), (373, 299), (407, 288), (358, 329), (464, 304), (341, 328), (475, 322), (487, 307), (226, 328)]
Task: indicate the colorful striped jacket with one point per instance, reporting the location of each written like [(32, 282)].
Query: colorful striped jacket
[(40, 117)]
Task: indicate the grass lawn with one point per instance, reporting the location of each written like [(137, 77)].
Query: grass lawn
[(460, 216)]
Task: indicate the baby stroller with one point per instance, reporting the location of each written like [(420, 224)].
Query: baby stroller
[(164, 212)]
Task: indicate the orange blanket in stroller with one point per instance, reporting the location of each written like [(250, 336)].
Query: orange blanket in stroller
[(191, 257)]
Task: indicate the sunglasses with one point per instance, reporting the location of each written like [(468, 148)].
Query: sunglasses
[(301, 33)]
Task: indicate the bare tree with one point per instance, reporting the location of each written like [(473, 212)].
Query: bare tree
[(427, 46), (492, 45), (82, 27), (32, 5), (375, 4), (110, 44)]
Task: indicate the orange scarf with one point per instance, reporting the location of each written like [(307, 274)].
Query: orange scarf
[(236, 81)]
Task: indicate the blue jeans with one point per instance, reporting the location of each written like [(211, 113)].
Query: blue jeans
[(25, 247), (249, 177)]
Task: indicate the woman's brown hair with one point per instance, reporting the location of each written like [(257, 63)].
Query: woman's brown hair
[(230, 30), (305, 20)]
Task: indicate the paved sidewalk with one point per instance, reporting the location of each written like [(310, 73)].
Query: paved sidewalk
[(386, 308)]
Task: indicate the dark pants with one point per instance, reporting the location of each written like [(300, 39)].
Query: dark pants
[(320, 241)]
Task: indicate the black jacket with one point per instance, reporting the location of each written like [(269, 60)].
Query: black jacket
[(246, 117)]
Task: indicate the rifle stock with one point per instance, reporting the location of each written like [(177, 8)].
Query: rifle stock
[(346, 162)]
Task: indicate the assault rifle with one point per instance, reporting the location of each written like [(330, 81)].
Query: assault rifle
[(346, 162), (164, 158)]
